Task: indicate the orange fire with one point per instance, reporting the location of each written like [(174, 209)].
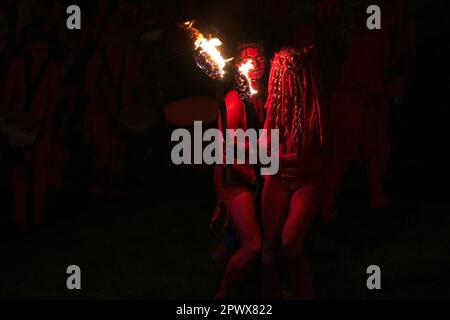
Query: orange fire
[(208, 47), (244, 69)]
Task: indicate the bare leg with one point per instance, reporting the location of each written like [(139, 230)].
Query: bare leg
[(304, 205), (243, 218), (275, 206), (347, 138)]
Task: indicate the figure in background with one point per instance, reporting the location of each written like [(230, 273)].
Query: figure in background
[(235, 199), (377, 68), (292, 197), (114, 80), (30, 96)]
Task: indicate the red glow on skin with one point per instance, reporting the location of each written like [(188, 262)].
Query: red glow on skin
[(259, 62), (291, 199), (238, 197)]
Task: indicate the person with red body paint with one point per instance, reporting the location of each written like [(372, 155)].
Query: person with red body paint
[(31, 90), (292, 197), (114, 80), (235, 199), (377, 69)]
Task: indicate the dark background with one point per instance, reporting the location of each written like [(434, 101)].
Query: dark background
[(153, 243)]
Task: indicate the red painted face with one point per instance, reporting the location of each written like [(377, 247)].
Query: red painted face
[(259, 62)]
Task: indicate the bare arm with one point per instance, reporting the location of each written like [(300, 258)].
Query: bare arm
[(286, 159), (235, 114), (235, 111)]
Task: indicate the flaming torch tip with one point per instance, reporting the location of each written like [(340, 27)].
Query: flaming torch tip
[(244, 70), (207, 55)]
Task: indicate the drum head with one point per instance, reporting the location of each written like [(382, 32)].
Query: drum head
[(183, 113), (138, 117)]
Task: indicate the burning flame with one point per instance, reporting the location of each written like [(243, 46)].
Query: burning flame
[(208, 47), (244, 69)]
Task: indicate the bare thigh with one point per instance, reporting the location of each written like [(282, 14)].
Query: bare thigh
[(244, 221), (275, 206), (304, 204)]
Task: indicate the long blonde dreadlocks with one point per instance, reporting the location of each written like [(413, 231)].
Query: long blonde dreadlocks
[(294, 99)]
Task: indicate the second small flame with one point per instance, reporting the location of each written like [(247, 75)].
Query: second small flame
[(244, 69)]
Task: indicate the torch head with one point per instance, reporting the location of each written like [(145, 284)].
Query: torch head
[(207, 52)]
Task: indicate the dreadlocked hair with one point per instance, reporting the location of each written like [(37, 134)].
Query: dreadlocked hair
[(294, 99)]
